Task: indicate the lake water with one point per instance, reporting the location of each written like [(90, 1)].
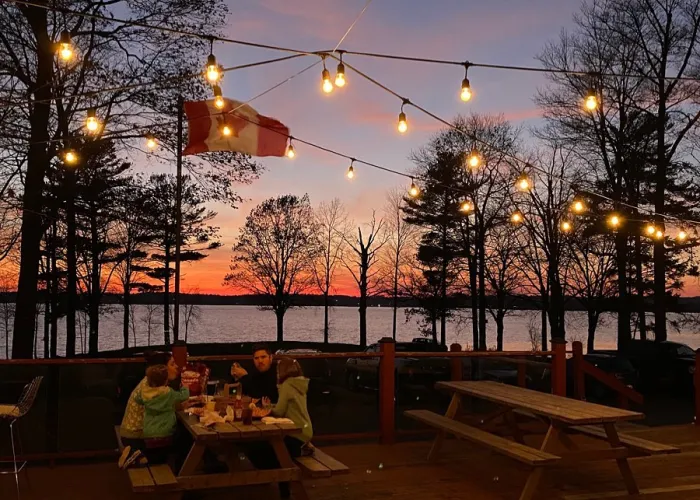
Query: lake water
[(227, 324)]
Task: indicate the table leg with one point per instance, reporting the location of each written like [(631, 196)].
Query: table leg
[(510, 421), (450, 413), (533, 479), (194, 458), (622, 463), (285, 459)]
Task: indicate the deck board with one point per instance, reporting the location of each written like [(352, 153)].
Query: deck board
[(400, 472)]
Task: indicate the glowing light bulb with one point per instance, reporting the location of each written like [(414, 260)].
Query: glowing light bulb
[(650, 229), (70, 157), (614, 221), (578, 206), (219, 100), (523, 183), (213, 71), (92, 124), (465, 207), (351, 172), (591, 100), (340, 76), (326, 79), (682, 236), (290, 151), (413, 190), (403, 124), (474, 159), (65, 46), (226, 130), (466, 93), (659, 234), (566, 226), (151, 142), (516, 217)]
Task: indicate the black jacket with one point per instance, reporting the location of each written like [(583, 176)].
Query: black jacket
[(259, 385)]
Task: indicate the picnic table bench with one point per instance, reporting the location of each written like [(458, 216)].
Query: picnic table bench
[(563, 416)]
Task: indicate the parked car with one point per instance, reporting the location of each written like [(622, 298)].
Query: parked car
[(317, 370), (364, 372), (617, 366), (669, 365)]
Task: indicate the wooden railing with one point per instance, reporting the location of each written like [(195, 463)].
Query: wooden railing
[(581, 368)]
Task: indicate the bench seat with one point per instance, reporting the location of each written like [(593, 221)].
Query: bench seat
[(321, 464)]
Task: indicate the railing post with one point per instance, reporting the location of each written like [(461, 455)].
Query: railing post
[(696, 381), (455, 364), (387, 406), (559, 367), (179, 351), (522, 373), (579, 375)]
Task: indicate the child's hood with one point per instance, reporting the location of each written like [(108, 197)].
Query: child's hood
[(297, 384), (150, 396)]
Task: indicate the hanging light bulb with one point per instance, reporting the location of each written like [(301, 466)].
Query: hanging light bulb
[(682, 235), (290, 153), (474, 159), (523, 183), (326, 85), (466, 207), (578, 206), (659, 234), (566, 226), (351, 170), (92, 123), (403, 124), (516, 217), (413, 190), (65, 46), (466, 93), (226, 130), (591, 100), (151, 142), (213, 70), (340, 73), (614, 221), (219, 101), (650, 229), (70, 157)]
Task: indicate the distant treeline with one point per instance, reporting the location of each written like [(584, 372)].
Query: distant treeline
[(524, 302)]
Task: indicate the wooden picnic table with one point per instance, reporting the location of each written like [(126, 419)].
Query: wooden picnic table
[(563, 416), (222, 439)]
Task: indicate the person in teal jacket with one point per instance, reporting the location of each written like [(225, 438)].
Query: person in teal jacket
[(159, 420)]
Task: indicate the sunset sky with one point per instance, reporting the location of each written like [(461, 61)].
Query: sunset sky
[(360, 119)]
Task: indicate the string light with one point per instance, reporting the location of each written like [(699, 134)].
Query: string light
[(151, 142), (466, 93), (578, 206), (290, 153), (591, 100), (659, 234), (650, 229), (516, 217), (523, 183), (92, 124), (351, 170), (466, 207), (614, 221), (326, 85), (226, 130), (413, 190), (65, 46), (70, 157), (566, 226), (213, 70), (219, 101), (682, 235), (474, 159), (403, 124), (340, 73)]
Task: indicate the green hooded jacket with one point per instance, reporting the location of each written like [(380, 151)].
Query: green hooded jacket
[(292, 405), (159, 409)]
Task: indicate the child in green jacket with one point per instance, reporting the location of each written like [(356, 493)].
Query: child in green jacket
[(159, 421)]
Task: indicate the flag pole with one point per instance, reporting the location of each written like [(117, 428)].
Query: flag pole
[(178, 220)]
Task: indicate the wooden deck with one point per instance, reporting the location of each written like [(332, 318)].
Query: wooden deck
[(401, 472)]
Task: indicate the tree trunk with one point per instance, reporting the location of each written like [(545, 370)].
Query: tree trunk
[(279, 314), (325, 316), (482, 295), (545, 307), (639, 285), (624, 334), (475, 303), (71, 266), (166, 297), (95, 285), (593, 316), (660, 334), (499, 329), (47, 310), (433, 326), (54, 291), (364, 268), (33, 199), (395, 304), (126, 301)]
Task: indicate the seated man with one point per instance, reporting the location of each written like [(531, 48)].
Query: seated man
[(262, 383)]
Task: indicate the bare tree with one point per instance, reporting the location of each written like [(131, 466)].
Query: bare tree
[(360, 261), (192, 312), (275, 252), (332, 221), (399, 254), (150, 319), (7, 310)]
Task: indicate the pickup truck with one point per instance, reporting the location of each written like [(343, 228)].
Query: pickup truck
[(364, 372)]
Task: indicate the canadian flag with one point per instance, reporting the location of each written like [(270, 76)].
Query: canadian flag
[(251, 132)]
